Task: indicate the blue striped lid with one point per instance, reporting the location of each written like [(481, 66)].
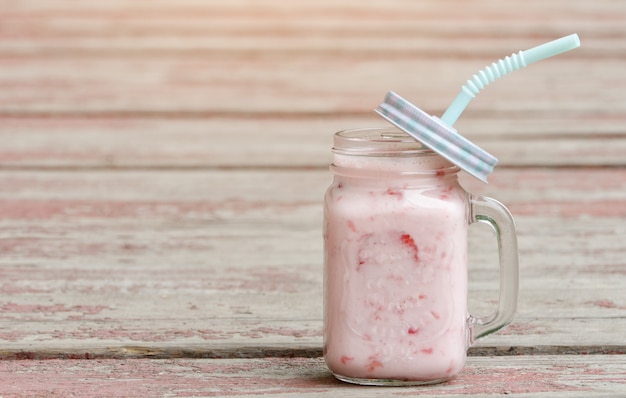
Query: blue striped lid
[(438, 136)]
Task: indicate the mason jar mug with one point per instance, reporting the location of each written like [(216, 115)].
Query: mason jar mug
[(396, 224)]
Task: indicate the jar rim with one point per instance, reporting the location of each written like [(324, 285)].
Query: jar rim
[(378, 141)]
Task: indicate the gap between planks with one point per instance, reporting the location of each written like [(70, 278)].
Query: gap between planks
[(259, 352)]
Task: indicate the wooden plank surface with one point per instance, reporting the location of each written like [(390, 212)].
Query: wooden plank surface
[(387, 26), (279, 141), (528, 376), (196, 275), (208, 57), (288, 84), (162, 166)]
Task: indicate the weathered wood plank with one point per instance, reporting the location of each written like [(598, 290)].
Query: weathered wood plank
[(229, 261), (278, 141), (331, 71), (329, 84), (262, 26), (195, 135), (536, 376), (402, 42), (240, 190), (265, 336)]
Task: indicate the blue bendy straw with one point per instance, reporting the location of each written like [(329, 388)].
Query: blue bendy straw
[(439, 135), (501, 68)]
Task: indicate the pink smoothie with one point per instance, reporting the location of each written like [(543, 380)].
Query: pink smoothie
[(395, 269)]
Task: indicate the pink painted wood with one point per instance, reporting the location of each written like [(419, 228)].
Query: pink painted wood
[(162, 166), (562, 376)]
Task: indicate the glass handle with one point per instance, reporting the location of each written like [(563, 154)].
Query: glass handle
[(495, 214)]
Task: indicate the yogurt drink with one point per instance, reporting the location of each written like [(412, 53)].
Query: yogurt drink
[(395, 241), (395, 279)]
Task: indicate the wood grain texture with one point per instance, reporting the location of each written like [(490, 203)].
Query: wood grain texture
[(530, 376), (390, 26), (329, 84), (86, 279), (209, 57), (196, 141), (162, 166)]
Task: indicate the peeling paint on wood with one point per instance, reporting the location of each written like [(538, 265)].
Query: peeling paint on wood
[(563, 376), (162, 166)]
